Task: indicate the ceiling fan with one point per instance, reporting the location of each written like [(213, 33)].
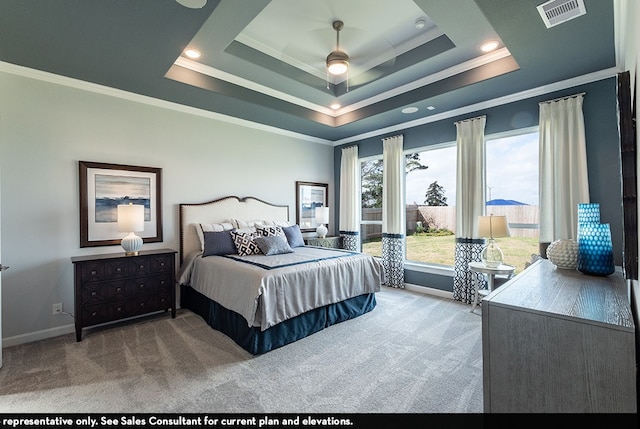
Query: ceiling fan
[(337, 61), (340, 67)]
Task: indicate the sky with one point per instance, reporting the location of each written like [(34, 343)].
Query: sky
[(512, 171)]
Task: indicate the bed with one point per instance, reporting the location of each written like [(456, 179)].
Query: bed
[(245, 270)]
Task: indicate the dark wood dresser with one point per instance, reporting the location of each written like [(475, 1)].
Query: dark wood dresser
[(113, 287)]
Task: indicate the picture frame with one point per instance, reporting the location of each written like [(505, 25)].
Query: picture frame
[(310, 195), (103, 186)]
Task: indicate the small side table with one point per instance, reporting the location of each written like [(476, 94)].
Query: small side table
[(479, 267), (333, 242)]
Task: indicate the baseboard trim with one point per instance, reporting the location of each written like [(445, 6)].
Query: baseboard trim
[(429, 290), (38, 335)]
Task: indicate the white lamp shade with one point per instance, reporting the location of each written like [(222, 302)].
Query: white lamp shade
[(322, 215), (493, 226), (130, 218)]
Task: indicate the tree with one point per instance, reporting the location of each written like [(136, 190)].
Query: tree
[(435, 195), (371, 174)]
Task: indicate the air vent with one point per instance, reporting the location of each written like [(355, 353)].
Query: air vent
[(556, 12)]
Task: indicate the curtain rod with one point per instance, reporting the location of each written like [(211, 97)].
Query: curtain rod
[(563, 98), (470, 119)]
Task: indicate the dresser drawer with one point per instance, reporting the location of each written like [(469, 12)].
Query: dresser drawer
[(96, 293), (107, 312), (97, 271), (149, 303), (150, 285)]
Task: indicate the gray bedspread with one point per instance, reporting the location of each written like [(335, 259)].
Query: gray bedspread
[(266, 290)]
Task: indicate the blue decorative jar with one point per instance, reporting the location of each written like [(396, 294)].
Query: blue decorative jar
[(595, 251), (588, 213)]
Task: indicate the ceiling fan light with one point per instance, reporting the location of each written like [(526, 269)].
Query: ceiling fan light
[(337, 62)]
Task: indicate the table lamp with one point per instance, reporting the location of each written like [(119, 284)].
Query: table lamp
[(492, 227), (131, 220), (322, 217)]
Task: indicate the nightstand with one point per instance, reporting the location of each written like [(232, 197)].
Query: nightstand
[(112, 287), (479, 267), (333, 242)]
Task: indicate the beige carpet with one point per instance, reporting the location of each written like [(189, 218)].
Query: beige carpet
[(412, 354)]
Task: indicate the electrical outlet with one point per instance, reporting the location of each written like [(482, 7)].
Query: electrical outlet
[(57, 308)]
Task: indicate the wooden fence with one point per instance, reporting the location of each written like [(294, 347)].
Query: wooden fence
[(523, 220)]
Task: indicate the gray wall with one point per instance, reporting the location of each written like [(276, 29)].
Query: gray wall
[(603, 153), (46, 128)]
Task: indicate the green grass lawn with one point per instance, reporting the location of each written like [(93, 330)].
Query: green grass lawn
[(441, 250)]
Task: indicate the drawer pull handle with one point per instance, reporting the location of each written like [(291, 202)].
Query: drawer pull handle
[(118, 289), (141, 267), (119, 309), (93, 313), (162, 264), (142, 304), (93, 272), (162, 282), (118, 269), (93, 293)]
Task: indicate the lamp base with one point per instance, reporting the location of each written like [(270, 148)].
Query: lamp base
[(491, 255), (321, 230), (131, 244)]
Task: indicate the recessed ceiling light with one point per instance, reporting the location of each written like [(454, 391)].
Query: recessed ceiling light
[(335, 106), (192, 53), (411, 109), (193, 4), (420, 23), (489, 46), (431, 108)]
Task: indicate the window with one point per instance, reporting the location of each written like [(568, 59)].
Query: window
[(512, 190), (430, 186), (371, 207), (430, 189)]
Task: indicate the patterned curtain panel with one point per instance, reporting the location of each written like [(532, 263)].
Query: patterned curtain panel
[(393, 211), (350, 199), (563, 167), (467, 250), (470, 203)]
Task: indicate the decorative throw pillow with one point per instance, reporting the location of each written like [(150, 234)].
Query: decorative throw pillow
[(270, 231), (273, 245), (244, 242), (294, 235), (201, 228), (218, 243)]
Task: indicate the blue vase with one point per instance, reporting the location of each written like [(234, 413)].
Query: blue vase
[(588, 213), (595, 251)]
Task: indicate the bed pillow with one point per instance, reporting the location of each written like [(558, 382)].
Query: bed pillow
[(201, 228), (294, 235), (242, 224), (244, 242), (273, 245), (270, 231), (218, 243)]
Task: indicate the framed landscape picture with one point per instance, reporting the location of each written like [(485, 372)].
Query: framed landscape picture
[(309, 196), (103, 187)]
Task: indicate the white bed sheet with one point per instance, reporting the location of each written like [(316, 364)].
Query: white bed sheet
[(267, 290)]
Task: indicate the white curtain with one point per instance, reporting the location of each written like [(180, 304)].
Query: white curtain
[(393, 211), (470, 204), (350, 199), (563, 167)]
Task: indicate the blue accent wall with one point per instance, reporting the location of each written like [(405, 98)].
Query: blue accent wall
[(603, 153)]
